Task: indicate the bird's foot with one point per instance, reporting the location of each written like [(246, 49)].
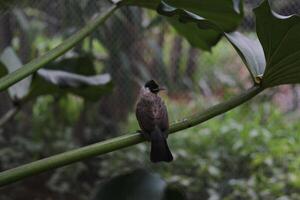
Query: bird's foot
[(144, 135)]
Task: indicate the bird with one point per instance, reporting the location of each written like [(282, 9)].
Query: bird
[(152, 116)]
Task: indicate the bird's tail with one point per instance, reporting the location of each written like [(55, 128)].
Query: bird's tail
[(159, 147)]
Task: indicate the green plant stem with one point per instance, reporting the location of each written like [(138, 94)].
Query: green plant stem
[(51, 55), (107, 146)]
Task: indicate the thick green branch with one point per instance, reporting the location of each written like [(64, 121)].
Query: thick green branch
[(216, 110), (100, 148), (37, 63)]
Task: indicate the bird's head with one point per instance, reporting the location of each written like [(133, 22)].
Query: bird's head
[(153, 86)]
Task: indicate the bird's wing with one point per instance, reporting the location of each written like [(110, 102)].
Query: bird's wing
[(145, 116), (160, 115)]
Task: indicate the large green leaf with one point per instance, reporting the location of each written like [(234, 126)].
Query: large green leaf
[(226, 14), (279, 36), (83, 65), (203, 39), (205, 21), (59, 82), (275, 59), (12, 62), (75, 75), (251, 52), (137, 185), (200, 22)]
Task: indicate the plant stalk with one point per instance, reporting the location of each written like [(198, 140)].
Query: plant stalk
[(51, 55), (33, 168)]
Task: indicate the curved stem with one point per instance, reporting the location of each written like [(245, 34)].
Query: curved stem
[(37, 63), (107, 146)]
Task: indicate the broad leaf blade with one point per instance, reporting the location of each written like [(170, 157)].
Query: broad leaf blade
[(12, 63), (75, 75), (251, 52), (59, 82), (203, 37), (202, 22), (203, 33), (83, 65), (279, 36), (227, 17)]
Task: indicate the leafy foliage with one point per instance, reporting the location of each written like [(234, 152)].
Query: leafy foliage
[(281, 47), (226, 158), (278, 63), (55, 82), (211, 19), (208, 20), (76, 75), (89, 85)]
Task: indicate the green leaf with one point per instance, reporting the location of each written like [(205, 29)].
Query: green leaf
[(59, 82), (137, 185), (83, 65), (251, 52), (51, 55), (227, 17), (211, 18), (202, 22), (12, 62), (203, 39), (279, 36)]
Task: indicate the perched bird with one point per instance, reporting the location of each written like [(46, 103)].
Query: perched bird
[(152, 116)]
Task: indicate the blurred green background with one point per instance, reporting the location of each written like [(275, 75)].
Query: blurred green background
[(250, 152)]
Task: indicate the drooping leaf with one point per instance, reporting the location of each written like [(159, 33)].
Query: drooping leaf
[(59, 82), (203, 39), (137, 185), (204, 21), (75, 75), (82, 65), (225, 14), (203, 16), (279, 36), (251, 52), (12, 62)]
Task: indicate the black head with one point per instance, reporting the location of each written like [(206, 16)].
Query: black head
[(153, 86)]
